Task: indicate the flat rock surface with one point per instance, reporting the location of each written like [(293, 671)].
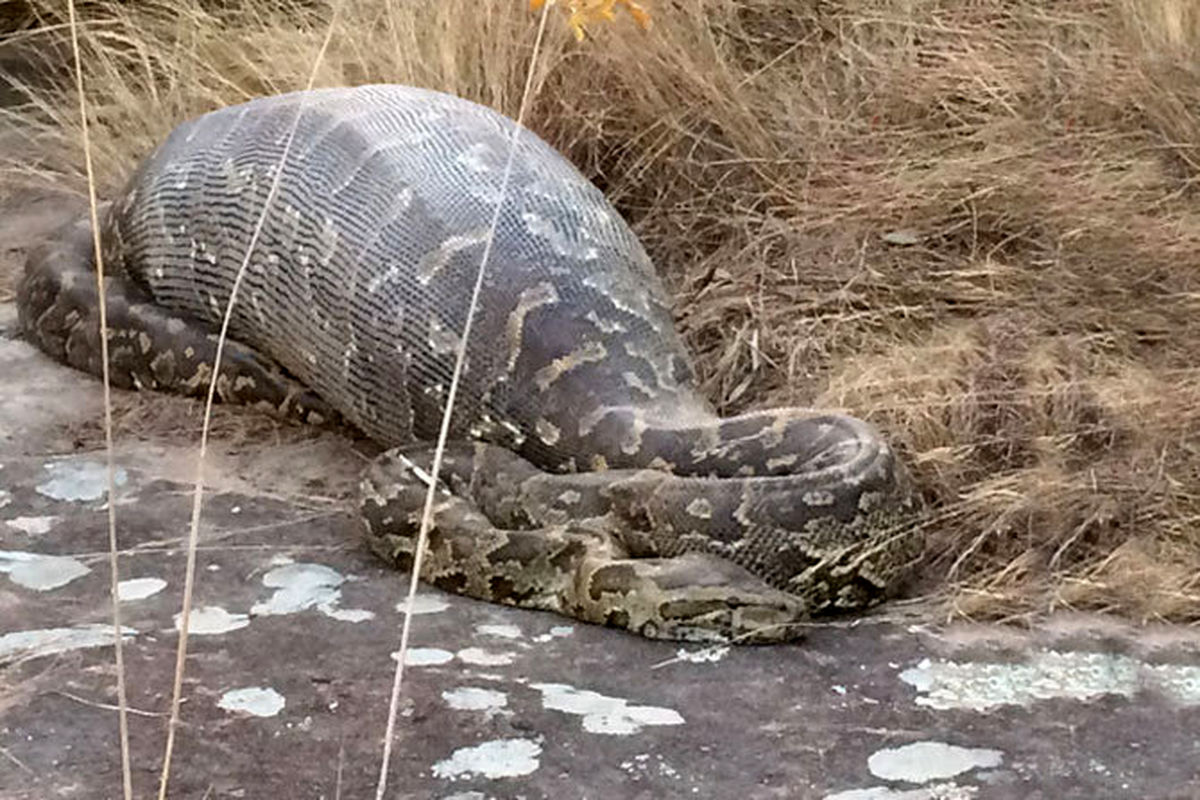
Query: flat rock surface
[(290, 667)]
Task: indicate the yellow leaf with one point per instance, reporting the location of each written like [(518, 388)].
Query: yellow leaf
[(585, 12), (640, 15), (576, 23)]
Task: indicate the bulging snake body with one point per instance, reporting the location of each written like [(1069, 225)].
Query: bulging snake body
[(586, 475)]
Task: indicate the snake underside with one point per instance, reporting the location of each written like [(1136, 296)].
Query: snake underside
[(585, 475)]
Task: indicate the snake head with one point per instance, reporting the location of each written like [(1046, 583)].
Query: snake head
[(730, 619), (692, 597)]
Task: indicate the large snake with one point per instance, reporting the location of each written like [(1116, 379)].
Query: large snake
[(585, 474)]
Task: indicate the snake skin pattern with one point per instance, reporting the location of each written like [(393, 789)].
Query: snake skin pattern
[(586, 475)]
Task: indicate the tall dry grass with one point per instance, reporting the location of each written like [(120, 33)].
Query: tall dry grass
[(975, 222)]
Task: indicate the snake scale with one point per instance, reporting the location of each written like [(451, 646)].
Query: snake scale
[(585, 474)]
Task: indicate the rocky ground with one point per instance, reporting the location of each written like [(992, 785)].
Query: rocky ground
[(290, 664)]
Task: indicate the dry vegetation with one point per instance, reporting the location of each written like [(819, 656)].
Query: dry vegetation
[(975, 222)]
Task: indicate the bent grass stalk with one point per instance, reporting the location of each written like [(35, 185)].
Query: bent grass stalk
[(110, 476)]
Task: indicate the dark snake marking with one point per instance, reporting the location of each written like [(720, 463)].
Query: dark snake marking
[(586, 474)]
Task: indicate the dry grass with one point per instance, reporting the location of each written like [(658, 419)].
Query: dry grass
[(1032, 349)]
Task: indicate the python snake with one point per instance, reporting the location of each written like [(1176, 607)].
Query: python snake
[(586, 475)]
